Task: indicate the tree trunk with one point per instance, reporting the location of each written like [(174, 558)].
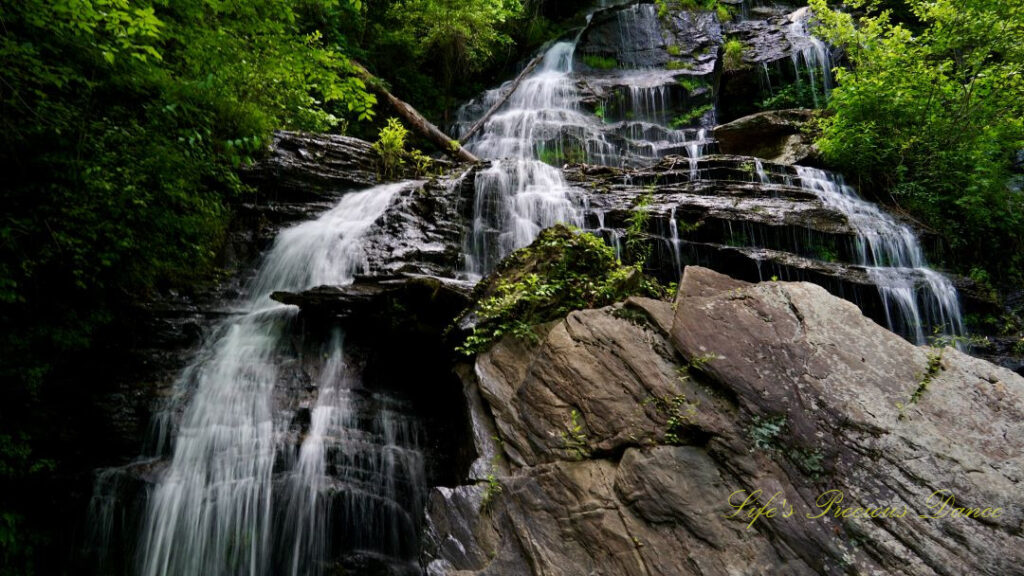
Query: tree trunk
[(416, 121)]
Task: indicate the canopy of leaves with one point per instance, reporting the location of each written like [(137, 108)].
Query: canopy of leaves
[(934, 115)]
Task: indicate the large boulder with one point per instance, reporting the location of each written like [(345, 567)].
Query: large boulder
[(776, 135), (633, 434)]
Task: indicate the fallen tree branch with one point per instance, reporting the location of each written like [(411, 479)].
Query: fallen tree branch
[(490, 112), (417, 122)]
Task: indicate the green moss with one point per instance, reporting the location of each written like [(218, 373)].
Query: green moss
[(732, 54), (563, 270), (691, 116), (600, 62)]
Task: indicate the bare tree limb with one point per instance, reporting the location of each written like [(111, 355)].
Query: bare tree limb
[(490, 112), (417, 122)]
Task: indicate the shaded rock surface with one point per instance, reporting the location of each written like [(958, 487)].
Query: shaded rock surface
[(778, 387), (775, 135), (301, 166)]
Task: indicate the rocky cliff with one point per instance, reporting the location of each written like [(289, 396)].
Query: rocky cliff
[(636, 439)]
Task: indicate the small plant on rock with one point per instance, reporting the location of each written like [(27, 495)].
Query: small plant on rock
[(732, 58), (574, 439), (390, 148)]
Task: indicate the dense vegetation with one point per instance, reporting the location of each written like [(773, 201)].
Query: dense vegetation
[(931, 111)]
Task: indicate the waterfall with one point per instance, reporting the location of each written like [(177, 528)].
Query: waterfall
[(810, 53), (213, 510), (915, 297), (519, 195), (762, 176)]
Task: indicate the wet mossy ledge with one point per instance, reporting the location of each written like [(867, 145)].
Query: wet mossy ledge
[(564, 269)]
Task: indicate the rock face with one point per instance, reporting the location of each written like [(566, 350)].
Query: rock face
[(776, 135), (631, 435), (301, 165)]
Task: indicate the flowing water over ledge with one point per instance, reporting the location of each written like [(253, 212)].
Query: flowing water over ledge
[(235, 497), (543, 122)]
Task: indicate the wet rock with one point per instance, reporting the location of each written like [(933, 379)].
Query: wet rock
[(368, 295), (776, 135), (306, 166), (778, 55), (635, 65)]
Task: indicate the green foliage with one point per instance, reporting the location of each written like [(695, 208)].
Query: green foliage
[(600, 62), (667, 7), (18, 542), (798, 94), (459, 36), (765, 432), (566, 153), (932, 113), (494, 489), (691, 116), (691, 83), (823, 250), (679, 65), (638, 242), (674, 50), (574, 438), (1018, 348), (390, 149), (931, 371), (123, 123), (678, 414), (563, 270), (732, 54)]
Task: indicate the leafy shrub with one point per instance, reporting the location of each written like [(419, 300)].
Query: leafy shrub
[(931, 113), (390, 148), (574, 438), (638, 244)]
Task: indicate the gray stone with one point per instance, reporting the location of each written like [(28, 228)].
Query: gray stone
[(790, 391)]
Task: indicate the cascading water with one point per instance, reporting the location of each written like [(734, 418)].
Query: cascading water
[(542, 123), (519, 195), (915, 297), (811, 54), (218, 508)]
